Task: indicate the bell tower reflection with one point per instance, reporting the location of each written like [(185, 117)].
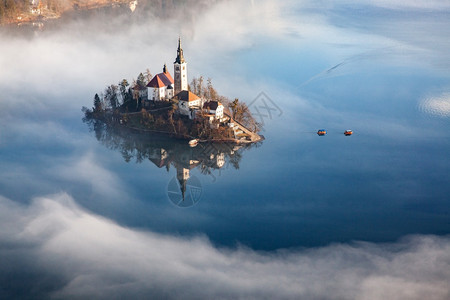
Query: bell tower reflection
[(183, 176)]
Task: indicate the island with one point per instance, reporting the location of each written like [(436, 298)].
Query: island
[(169, 105)]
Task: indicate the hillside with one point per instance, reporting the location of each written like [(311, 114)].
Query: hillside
[(22, 11), (29, 11)]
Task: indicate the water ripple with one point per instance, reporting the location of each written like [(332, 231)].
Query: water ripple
[(436, 105)]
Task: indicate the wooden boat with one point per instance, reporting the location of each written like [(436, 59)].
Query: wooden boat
[(348, 132), (321, 132), (193, 142)]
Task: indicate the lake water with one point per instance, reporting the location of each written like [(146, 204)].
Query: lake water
[(100, 213)]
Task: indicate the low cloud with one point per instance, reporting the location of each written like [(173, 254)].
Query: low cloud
[(87, 170), (414, 4), (93, 257), (63, 68)]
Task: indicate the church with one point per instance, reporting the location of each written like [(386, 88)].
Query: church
[(162, 87)]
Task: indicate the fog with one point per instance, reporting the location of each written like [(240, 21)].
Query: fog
[(63, 198), (93, 257), (68, 64)]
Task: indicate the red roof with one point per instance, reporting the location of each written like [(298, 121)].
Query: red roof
[(212, 105), (169, 77), (156, 82), (161, 80), (186, 96)]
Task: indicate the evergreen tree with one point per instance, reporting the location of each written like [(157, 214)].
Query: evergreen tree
[(111, 96), (97, 104), (129, 95), (141, 80)]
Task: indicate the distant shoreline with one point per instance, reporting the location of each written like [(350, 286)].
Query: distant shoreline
[(27, 18)]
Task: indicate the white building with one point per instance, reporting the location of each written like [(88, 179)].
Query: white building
[(218, 159), (161, 86), (180, 71), (213, 110), (187, 103)]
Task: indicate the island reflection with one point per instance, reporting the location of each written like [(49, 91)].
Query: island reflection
[(164, 152)]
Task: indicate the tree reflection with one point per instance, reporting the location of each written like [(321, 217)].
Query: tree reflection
[(165, 152)]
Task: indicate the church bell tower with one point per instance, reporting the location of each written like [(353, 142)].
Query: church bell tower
[(180, 71)]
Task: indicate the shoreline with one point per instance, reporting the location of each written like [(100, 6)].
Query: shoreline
[(187, 138), (113, 122), (26, 18)]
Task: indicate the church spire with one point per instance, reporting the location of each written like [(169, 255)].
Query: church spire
[(180, 57), (180, 71)]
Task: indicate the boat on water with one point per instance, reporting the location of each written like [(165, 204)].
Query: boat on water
[(348, 132), (193, 142), (321, 132)]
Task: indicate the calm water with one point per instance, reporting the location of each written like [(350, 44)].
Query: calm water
[(87, 198)]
